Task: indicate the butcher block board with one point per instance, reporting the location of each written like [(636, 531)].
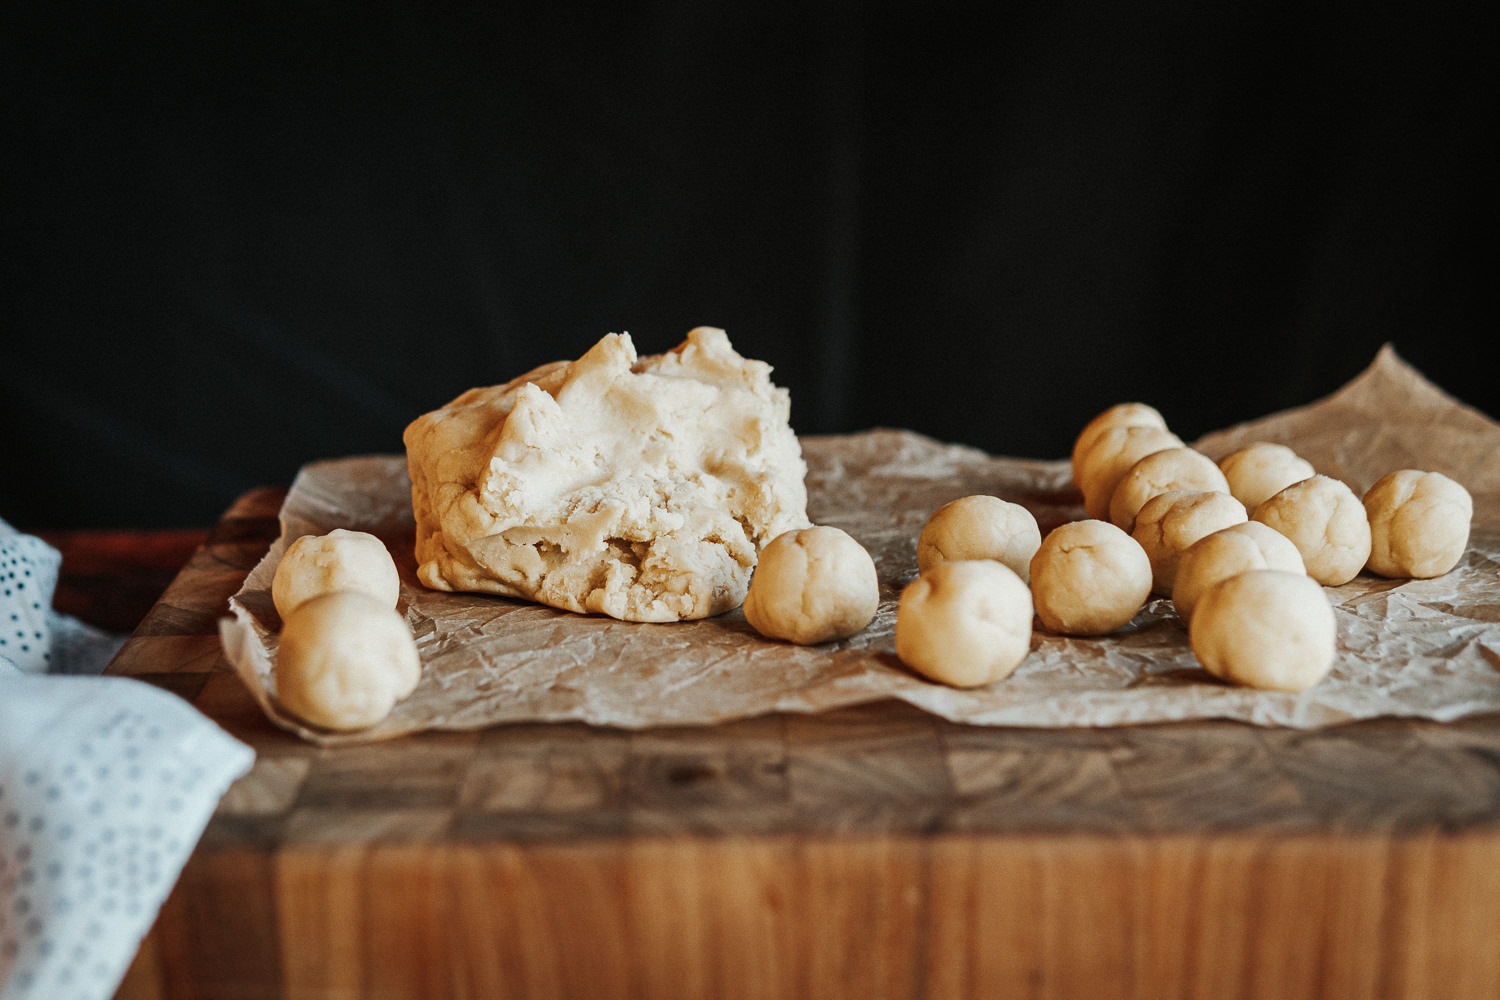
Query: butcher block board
[(874, 851)]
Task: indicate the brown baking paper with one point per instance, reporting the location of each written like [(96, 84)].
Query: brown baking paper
[(1428, 648)]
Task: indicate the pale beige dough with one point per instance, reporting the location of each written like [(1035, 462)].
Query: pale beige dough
[(1104, 463), (344, 659), (980, 527), (340, 560), (812, 585), (1089, 578), (642, 488), (1223, 553), (1170, 522), (1119, 415), (1419, 524), (1327, 522), (964, 623), (1265, 628), (1162, 472), (1262, 469)]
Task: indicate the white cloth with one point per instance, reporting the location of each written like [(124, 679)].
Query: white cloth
[(106, 784)]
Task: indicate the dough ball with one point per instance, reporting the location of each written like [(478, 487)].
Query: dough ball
[(344, 660), (1327, 523), (980, 527), (339, 560), (1089, 578), (1419, 524), (1119, 415), (1106, 461), (1259, 471), (1170, 522), (1224, 553), (964, 623), (1265, 628), (1161, 472), (812, 585)]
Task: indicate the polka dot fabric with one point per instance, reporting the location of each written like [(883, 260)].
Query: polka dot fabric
[(28, 576), (105, 786)]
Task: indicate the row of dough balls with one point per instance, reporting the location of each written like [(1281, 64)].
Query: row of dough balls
[(345, 656), (1243, 547)]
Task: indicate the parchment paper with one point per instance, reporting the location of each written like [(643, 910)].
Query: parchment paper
[(1428, 648)]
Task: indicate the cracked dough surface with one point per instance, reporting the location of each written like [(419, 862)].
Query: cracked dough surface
[(1327, 523), (1260, 470), (1170, 522), (1162, 472), (640, 488), (1419, 523)]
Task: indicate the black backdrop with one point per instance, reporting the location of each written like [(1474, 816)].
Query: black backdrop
[(239, 237)]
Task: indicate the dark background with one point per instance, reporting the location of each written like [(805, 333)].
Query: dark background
[(240, 237)]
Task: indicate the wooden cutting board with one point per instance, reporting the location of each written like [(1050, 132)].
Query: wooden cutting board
[(871, 852)]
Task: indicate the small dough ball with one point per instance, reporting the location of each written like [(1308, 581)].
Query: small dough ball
[(1265, 628), (1105, 462), (1419, 524), (1119, 415), (339, 560), (980, 527), (812, 585), (1260, 470), (1170, 522), (964, 623), (1327, 523), (1089, 578), (1224, 553), (1162, 472), (344, 660)]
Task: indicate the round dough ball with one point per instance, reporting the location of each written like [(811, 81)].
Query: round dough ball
[(1259, 471), (1119, 415), (1419, 524), (1162, 472), (1327, 523), (964, 623), (344, 660), (339, 560), (1106, 461), (1265, 628), (1170, 522), (980, 527), (1222, 554), (812, 585), (1089, 578)]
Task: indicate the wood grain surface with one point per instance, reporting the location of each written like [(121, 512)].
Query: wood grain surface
[(870, 852)]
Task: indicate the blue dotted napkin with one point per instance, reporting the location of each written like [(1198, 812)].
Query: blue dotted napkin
[(106, 784)]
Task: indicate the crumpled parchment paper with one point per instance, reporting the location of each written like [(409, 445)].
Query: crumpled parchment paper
[(1427, 648)]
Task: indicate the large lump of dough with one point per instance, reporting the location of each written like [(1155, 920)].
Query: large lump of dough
[(640, 488)]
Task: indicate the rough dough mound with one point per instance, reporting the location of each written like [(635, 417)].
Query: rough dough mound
[(1170, 522), (1327, 523), (964, 623), (641, 488), (1419, 524), (1119, 415), (340, 560), (1089, 578), (812, 585), (1162, 472), (1265, 628), (1104, 463), (344, 660), (1226, 552), (1260, 470), (980, 527)]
